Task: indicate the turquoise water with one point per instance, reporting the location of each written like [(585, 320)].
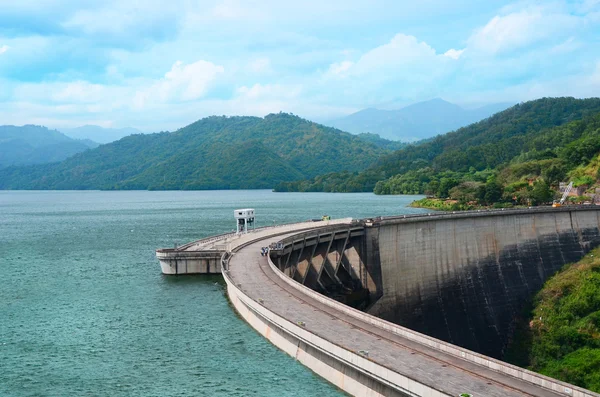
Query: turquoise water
[(85, 311)]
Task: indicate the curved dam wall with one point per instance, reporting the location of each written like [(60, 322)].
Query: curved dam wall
[(464, 278)]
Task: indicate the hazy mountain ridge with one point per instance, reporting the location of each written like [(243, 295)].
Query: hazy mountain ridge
[(32, 144), (99, 134), (415, 122)]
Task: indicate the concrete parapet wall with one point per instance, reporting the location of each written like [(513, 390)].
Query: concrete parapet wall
[(465, 354)]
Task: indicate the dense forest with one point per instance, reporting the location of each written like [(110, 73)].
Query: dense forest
[(212, 153), (504, 156), (568, 152)]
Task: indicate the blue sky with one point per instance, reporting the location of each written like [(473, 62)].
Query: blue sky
[(159, 65)]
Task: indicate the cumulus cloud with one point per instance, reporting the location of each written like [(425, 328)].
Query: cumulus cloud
[(403, 67), (184, 82), (403, 51), (189, 82), (519, 29)]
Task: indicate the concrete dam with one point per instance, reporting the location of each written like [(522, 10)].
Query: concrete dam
[(462, 278), (400, 306)]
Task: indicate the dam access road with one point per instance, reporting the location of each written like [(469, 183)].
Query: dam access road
[(362, 354)]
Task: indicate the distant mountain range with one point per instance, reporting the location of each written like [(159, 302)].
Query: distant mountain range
[(33, 144), (415, 122), (212, 153), (99, 134)]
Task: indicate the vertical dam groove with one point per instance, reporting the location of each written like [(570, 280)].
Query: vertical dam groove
[(462, 278)]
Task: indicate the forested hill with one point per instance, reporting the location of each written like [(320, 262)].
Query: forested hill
[(212, 153), (483, 145)]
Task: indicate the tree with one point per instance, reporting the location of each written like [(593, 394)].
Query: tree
[(445, 185), (541, 193), (432, 188), (465, 192), (493, 192), (554, 174)]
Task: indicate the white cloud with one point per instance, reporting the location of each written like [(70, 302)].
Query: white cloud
[(403, 51), (4, 48), (181, 83), (404, 67), (189, 82), (518, 29), (454, 54)]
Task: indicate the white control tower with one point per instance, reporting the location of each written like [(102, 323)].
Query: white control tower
[(245, 220)]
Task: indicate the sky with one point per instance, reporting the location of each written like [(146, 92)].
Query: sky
[(160, 65)]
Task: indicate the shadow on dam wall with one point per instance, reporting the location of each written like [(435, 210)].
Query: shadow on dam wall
[(465, 278)]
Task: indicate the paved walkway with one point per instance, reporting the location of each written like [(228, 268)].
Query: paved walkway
[(441, 371)]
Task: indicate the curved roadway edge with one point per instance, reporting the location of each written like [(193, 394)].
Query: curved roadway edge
[(333, 339)]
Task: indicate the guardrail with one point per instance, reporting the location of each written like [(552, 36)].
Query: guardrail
[(225, 236), (478, 213)]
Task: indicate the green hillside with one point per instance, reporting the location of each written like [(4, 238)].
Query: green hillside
[(530, 131), (212, 153), (561, 336)]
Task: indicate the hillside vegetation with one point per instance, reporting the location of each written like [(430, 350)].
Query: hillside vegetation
[(212, 153), (562, 338), (32, 144), (547, 139)]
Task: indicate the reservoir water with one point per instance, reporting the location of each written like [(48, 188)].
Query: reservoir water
[(85, 311)]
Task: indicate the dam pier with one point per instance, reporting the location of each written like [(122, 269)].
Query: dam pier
[(420, 305)]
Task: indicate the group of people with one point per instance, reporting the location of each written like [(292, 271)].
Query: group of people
[(264, 251)]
